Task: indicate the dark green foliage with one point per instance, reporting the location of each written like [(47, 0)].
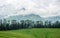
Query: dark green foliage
[(14, 24)]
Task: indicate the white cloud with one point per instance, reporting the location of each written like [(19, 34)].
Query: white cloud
[(44, 8)]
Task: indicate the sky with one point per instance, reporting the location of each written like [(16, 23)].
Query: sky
[(43, 8)]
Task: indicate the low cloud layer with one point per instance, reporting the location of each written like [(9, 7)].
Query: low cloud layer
[(44, 8)]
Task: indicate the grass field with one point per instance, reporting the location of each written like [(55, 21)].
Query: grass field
[(31, 33)]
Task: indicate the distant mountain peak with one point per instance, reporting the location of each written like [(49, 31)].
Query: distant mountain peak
[(32, 17)]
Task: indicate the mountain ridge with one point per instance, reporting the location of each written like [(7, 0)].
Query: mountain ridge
[(33, 17)]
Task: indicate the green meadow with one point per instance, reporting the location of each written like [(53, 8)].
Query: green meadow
[(31, 33)]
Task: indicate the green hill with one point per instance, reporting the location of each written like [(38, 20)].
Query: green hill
[(31, 33)]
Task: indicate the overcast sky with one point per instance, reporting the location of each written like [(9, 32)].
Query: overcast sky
[(44, 8)]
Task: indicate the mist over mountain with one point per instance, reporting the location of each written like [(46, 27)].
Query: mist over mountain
[(53, 18), (1, 17), (44, 8), (32, 17)]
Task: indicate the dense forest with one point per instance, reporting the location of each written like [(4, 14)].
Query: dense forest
[(16, 24)]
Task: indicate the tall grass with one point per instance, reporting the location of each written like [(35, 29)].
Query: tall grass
[(31, 33)]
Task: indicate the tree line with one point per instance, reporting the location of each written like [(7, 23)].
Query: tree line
[(16, 24)]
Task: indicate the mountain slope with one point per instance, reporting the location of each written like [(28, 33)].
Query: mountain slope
[(53, 19), (32, 17)]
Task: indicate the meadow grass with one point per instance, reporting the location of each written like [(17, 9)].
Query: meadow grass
[(31, 33)]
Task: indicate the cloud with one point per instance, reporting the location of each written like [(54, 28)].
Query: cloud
[(44, 8)]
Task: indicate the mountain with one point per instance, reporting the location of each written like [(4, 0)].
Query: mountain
[(53, 18), (1, 17), (32, 17)]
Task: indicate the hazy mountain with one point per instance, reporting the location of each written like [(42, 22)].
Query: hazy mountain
[(32, 17), (53, 18), (1, 17)]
